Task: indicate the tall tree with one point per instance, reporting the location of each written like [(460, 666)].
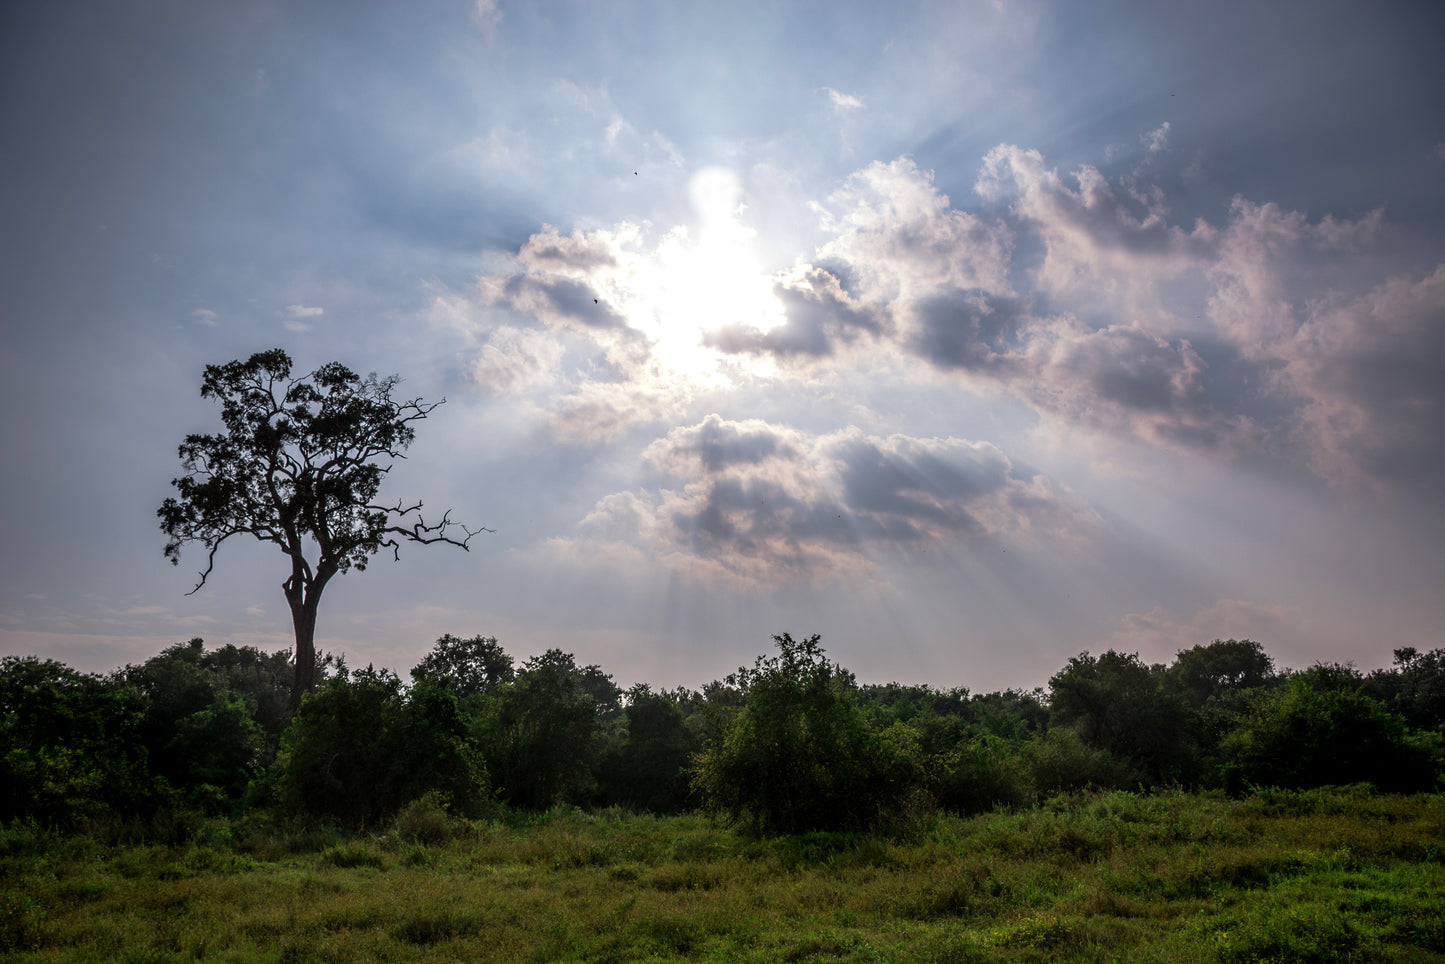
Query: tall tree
[(299, 465)]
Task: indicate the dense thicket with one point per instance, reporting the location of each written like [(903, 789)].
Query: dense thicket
[(791, 744)]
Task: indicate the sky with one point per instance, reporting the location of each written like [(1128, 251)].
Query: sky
[(967, 335)]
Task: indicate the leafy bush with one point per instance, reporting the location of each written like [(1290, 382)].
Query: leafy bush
[(70, 745), (1060, 760), (980, 774), (1320, 730), (359, 749), (799, 755), (647, 768), (424, 820), (540, 732), (1118, 703)]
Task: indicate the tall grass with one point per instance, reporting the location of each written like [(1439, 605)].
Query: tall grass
[(1314, 876)]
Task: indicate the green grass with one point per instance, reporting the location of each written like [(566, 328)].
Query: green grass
[(1335, 875)]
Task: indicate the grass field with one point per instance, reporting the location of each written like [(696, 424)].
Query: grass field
[(1332, 875)]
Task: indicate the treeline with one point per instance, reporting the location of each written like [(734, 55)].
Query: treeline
[(790, 744)]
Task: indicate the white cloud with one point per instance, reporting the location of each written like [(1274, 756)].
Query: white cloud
[(487, 14), (904, 239), (206, 317), (515, 360), (1368, 371), (293, 315), (1156, 140), (600, 411), (1092, 233), (842, 102)]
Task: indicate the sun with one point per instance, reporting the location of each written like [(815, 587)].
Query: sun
[(707, 279)]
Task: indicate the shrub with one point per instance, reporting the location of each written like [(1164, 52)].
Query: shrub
[(1320, 730), (800, 756), (980, 774), (424, 820), (1060, 760), (360, 748)]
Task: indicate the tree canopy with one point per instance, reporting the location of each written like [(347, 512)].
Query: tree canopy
[(300, 465)]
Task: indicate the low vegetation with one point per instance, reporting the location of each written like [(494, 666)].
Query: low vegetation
[(1324, 875), (1211, 809)]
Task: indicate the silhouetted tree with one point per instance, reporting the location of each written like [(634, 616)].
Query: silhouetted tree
[(300, 463), (468, 667)]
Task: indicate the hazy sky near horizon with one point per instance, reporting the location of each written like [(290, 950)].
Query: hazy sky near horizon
[(968, 335)]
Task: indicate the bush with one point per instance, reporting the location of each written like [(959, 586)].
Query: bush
[(540, 732), (800, 756), (358, 749), (1118, 703), (424, 820), (1320, 730), (70, 745), (647, 769), (980, 774), (1060, 760)]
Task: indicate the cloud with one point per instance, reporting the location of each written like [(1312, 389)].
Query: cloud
[(901, 236), (1095, 230), (293, 315), (1368, 372), (600, 411), (1082, 299), (758, 502), (515, 360), (487, 14), (842, 102), (1129, 381), (206, 317), (1161, 636), (820, 318), (1156, 140)]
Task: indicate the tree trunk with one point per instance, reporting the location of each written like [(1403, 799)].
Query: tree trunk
[(303, 618)]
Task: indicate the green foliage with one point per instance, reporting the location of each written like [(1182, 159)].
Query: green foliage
[(70, 744), (540, 733), (799, 755), (201, 735), (1414, 688), (648, 768), (361, 748), (981, 773), (1225, 665), (1319, 729), (1118, 703), (1060, 761), (300, 465), (470, 668), (1168, 877)]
